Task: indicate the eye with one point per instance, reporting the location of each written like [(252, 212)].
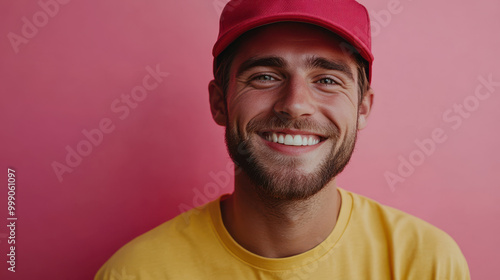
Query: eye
[(263, 81), (328, 81), (264, 78)]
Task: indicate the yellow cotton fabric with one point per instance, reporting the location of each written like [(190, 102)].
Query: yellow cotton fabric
[(369, 241)]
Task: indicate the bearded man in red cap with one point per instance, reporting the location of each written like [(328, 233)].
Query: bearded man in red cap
[(292, 88)]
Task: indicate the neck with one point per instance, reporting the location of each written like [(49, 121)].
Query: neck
[(275, 228)]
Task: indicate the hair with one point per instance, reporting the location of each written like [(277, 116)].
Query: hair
[(223, 63)]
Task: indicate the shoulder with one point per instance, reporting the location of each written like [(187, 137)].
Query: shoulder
[(398, 224), (158, 249), (413, 244)]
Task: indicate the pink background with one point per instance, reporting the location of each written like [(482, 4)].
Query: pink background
[(160, 157)]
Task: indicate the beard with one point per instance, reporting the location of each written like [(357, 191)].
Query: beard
[(280, 177)]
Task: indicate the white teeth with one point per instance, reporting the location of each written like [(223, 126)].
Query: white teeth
[(297, 140), (292, 140), (288, 139), (275, 138)]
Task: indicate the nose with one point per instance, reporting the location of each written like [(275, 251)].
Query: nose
[(295, 100)]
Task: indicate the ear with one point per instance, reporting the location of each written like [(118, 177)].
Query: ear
[(365, 109), (217, 103)]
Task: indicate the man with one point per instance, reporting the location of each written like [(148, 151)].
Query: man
[(291, 88)]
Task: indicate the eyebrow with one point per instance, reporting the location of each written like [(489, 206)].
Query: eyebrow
[(269, 61), (320, 62)]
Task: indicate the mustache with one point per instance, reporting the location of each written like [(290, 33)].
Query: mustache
[(307, 124)]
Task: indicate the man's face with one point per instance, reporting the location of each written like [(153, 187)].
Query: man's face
[(292, 109)]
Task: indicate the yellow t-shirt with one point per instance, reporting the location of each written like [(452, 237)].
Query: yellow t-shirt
[(369, 241)]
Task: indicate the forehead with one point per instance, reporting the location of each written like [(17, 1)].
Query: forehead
[(286, 38)]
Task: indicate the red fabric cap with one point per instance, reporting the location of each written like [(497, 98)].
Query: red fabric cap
[(346, 18)]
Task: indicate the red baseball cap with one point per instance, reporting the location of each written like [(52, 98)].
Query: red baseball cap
[(346, 18)]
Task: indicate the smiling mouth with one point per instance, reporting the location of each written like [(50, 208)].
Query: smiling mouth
[(292, 139)]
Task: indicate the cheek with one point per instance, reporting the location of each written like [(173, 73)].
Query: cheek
[(342, 114), (246, 106)]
